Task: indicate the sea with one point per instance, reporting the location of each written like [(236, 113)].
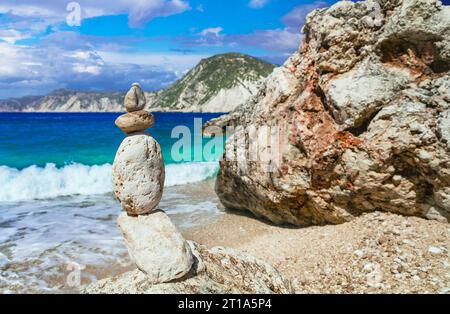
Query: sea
[(57, 210)]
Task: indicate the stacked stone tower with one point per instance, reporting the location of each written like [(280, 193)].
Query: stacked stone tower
[(153, 242)]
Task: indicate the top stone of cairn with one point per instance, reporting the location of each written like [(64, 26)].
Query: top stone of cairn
[(135, 98)]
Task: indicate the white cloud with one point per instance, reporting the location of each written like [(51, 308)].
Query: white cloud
[(35, 70), (212, 37), (212, 30), (166, 62), (31, 9), (90, 69), (10, 56), (12, 35), (257, 4), (142, 11), (82, 55), (139, 11), (281, 40), (295, 19), (284, 40)]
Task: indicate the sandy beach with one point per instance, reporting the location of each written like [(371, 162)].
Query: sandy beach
[(375, 253)]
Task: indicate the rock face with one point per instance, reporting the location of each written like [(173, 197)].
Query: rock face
[(138, 174), (216, 270), (365, 105), (156, 246)]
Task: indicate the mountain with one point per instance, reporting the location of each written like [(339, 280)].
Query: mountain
[(217, 84), (63, 100), (18, 104)]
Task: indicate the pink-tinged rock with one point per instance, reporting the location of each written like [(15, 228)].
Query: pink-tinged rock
[(136, 121), (364, 102)]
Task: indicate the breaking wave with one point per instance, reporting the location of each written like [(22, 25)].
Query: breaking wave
[(77, 179)]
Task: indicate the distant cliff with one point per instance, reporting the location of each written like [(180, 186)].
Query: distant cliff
[(73, 101), (217, 84)]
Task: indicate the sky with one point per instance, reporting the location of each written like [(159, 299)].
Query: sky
[(99, 45)]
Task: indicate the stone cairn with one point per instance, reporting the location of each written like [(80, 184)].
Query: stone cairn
[(153, 242)]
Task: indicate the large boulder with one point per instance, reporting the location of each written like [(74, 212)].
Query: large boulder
[(216, 270), (364, 108)]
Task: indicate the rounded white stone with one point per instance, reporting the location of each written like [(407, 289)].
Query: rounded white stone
[(138, 174)]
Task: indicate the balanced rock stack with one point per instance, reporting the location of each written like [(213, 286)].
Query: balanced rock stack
[(166, 262), (153, 242)]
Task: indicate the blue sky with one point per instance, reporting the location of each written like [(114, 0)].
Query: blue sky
[(122, 41), (118, 42)]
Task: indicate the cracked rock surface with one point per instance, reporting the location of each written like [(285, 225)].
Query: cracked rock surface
[(365, 103), (138, 174)]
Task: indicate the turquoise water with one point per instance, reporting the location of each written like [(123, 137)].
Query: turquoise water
[(56, 202), (84, 138)]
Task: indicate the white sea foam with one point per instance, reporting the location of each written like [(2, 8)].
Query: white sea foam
[(50, 182), (180, 174), (77, 179), (40, 239)]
